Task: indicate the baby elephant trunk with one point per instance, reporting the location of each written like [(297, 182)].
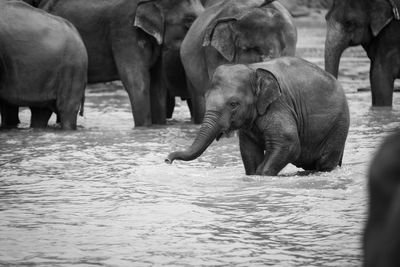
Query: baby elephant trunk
[(209, 130)]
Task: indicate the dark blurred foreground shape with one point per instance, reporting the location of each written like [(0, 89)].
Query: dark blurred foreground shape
[(382, 233)]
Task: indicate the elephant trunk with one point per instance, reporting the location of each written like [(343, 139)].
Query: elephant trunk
[(209, 130), (335, 44)]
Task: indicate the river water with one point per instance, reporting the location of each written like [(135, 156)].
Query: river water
[(104, 196)]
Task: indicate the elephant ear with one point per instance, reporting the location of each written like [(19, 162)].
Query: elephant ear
[(220, 35), (150, 19), (267, 90), (381, 15)]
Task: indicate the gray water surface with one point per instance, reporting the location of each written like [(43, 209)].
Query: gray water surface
[(104, 196)]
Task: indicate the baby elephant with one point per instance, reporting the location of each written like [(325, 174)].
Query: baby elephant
[(287, 110)]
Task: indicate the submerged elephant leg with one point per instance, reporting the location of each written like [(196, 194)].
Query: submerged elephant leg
[(382, 83), (158, 96), (69, 98), (282, 148), (252, 153), (9, 115), (40, 117), (332, 153)]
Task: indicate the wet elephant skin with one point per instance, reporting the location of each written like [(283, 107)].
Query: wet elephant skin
[(287, 110)]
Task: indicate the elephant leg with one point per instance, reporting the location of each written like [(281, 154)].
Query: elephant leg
[(280, 151), (382, 83), (158, 96), (9, 115), (70, 96), (198, 104), (332, 152), (170, 105), (40, 117), (190, 106), (252, 153), (329, 161), (133, 68), (58, 120)]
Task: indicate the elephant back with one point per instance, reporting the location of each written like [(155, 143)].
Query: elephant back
[(298, 76)]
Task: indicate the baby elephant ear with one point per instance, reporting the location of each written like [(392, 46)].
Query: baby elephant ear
[(267, 90), (150, 19), (220, 36)]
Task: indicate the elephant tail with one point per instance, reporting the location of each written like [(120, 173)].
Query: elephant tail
[(82, 108)]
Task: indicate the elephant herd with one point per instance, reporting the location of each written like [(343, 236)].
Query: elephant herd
[(232, 60)]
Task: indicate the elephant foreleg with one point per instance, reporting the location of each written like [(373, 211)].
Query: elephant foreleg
[(252, 153), (40, 117), (280, 152), (382, 83), (134, 73)]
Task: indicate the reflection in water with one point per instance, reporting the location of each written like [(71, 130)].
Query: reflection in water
[(103, 195)]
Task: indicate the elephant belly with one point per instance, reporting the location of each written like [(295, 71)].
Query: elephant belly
[(102, 67), (29, 90)]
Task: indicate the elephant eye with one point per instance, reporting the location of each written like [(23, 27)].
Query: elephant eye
[(234, 104)]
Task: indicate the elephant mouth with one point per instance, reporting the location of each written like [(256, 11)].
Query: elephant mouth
[(228, 133)]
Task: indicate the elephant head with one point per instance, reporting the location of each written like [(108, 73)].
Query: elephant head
[(238, 95), (351, 23), (381, 235), (260, 30), (167, 21)]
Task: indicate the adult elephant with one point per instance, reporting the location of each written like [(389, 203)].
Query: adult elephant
[(43, 65), (234, 31), (381, 235), (287, 110), (125, 39), (375, 25)]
